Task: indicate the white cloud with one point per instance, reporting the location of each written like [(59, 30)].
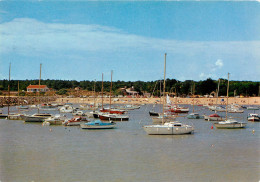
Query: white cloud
[(31, 38), (219, 63)]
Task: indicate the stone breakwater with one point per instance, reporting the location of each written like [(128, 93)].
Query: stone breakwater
[(13, 101)]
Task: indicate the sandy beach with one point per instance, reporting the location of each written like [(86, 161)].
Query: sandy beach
[(196, 101)]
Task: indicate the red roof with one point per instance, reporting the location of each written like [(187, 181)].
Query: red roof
[(37, 86)]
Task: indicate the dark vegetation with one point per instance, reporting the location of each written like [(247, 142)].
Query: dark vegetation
[(185, 88)]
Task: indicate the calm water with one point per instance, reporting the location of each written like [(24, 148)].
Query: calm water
[(31, 152)]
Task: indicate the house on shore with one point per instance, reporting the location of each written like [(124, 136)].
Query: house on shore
[(36, 88), (129, 91)]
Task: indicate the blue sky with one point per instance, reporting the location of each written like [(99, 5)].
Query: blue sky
[(80, 40)]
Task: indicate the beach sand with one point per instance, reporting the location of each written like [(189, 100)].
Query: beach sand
[(196, 101)]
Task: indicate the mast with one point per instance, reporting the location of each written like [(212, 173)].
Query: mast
[(9, 89), (227, 96), (193, 93), (94, 95), (102, 92), (160, 91), (18, 99), (110, 91), (217, 91), (39, 88), (164, 86)]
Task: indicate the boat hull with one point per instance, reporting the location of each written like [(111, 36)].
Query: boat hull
[(15, 117), (230, 125), (3, 116), (34, 119), (207, 118), (160, 130), (100, 126), (253, 119), (152, 113), (108, 118)]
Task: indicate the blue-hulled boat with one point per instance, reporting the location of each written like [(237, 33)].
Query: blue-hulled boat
[(97, 124)]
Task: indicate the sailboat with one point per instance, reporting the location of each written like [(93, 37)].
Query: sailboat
[(112, 114), (152, 112), (3, 116), (215, 116), (97, 123), (194, 115), (229, 123), (169, 128)]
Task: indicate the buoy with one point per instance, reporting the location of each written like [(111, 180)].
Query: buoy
[(50, 129), (212, 127), (253, 131)]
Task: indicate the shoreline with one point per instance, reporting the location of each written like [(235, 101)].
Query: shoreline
[(196, 101)]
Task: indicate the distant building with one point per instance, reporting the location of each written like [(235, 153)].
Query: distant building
[(129, 91), (36, 88), (78, 88)]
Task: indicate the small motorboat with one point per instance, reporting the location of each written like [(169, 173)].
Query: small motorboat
[(153, 113), (54, 120), (230, 124), (253, 117), (213, 117), (75, 121), (195, 116), (78, 113), (97, 124)]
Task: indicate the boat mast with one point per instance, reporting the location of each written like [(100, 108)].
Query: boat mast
[(9, 89), (160, 91), (227, 96), (94, 95), (110, 91), (102, 92), (164, 87), (193, 93), (217, 91), (39, 88), (18, 99)]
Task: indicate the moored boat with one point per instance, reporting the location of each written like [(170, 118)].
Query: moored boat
[(67, 109), (113, 117), (75, 121), (54, 120), (229, 124), (97, 124), (78, 113), (15, 116), (253, 117), (171, 128), (195, 116), (40, 117), (153, 113), (213, 117)]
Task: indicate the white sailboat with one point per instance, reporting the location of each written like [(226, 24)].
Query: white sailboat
[(169, 128), (229, 123)]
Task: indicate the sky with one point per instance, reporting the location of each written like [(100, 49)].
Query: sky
[(80, 40)]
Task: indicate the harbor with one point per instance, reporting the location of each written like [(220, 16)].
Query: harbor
[(58, 153)]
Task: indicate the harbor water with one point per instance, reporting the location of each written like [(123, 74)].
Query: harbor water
[(32, 152)]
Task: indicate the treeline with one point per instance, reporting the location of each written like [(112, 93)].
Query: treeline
[(188, 87)]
